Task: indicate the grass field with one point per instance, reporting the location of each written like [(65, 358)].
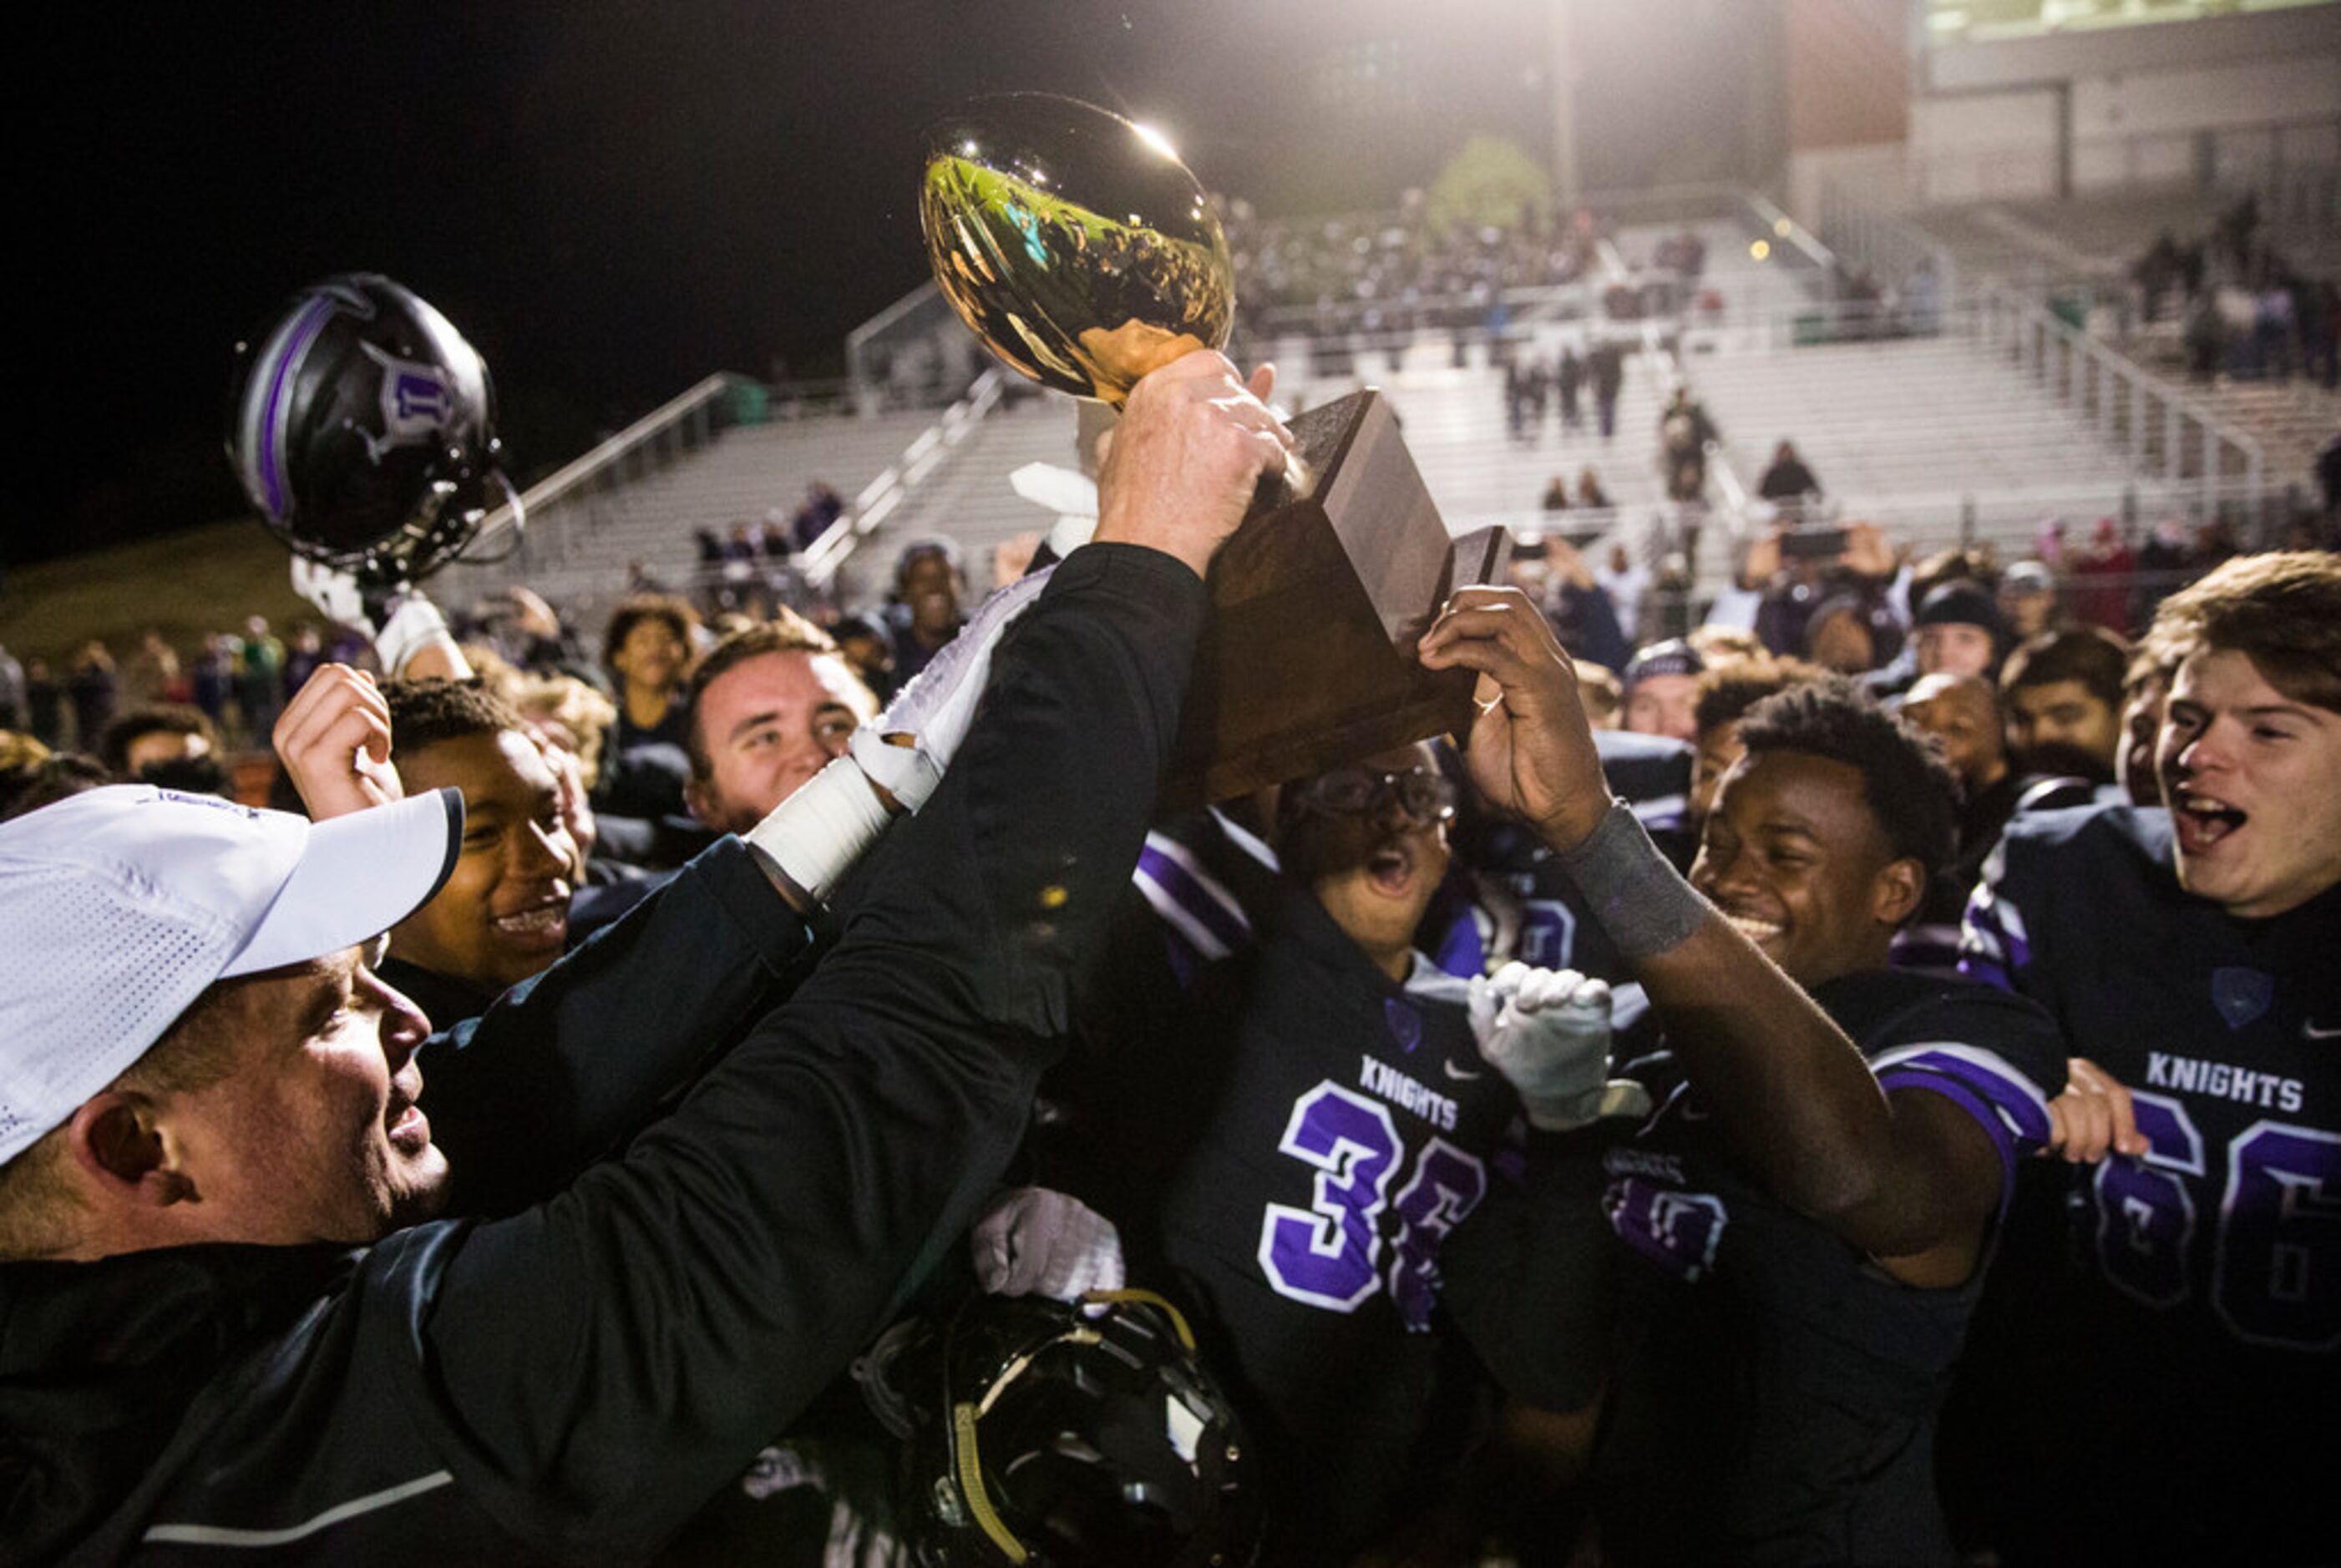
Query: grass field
[(187, 585)]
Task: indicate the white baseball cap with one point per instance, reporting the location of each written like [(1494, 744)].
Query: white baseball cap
[(119, 906)]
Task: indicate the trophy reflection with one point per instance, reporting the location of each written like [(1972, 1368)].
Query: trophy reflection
[(1084, 253)]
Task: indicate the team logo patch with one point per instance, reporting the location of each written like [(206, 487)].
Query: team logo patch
[(1405, 1023), (2242, 994), (417, 402)]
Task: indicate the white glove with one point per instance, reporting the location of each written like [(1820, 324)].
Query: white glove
[(1033, 1241), (935, 709), (1548, 1032), (399, 622), (816, 834)]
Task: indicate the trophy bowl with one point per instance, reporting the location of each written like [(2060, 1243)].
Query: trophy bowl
[(1073, 243)]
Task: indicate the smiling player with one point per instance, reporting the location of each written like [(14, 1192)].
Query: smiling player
[(2193, 956)]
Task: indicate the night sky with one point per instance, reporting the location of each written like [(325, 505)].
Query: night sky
[(610, 200)]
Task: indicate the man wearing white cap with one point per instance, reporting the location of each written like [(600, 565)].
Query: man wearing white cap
[(215, 1332)]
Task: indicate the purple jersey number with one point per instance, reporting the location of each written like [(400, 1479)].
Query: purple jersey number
[(1448, 1184), (2281, 1209), (1329, 1254)]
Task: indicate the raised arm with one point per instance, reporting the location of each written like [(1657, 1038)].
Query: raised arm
[(693, 1296), (1898, 1175)]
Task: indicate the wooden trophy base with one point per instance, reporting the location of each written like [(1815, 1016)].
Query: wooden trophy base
[(1307, 660)]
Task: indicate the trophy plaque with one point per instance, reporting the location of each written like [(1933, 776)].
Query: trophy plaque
[(1083, 252)]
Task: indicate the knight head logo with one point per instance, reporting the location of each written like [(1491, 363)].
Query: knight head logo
[(417, 402)]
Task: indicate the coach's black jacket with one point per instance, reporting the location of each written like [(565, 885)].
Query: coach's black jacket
[(570, 1381)]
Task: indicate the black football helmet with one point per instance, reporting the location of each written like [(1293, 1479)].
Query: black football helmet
[(365, 430), (1065, 1435)]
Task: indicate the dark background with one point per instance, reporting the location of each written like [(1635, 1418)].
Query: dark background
[(612, 200)]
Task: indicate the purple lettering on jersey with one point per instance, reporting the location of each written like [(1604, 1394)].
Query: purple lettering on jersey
[(1448, 1185), (1329, 1254), (1679, 1231)]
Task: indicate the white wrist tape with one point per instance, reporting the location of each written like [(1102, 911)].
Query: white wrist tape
[(938, 705), (816, 834), (908, 773)]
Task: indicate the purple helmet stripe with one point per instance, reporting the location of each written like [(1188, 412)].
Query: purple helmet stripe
[(269, 459)]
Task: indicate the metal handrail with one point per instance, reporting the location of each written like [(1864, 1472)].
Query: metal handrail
[(2083, 372), (826, 556), (571, 475)]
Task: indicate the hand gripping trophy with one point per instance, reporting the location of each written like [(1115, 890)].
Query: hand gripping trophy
[(1084, 253)]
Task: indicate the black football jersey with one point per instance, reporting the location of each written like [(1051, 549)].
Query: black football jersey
[(2195, 1303), (1775, 1390), (1287, 1156), (1652, 775)]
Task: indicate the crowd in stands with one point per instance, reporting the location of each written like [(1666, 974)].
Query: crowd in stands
[(1619, 1129), (1400, 270), (2242, 308)]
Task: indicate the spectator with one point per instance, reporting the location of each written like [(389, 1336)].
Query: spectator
[(213, 680), (869, 647), (1599, 689), (303, 655), (260, 678), (1580, 612), (2144, 686), (91, 687), (44, 703), (152, 672), (2105, 574), (1661, 687), (1726, 694), (2063, 691), (648, 649), (1787, 482), (12, 691), (822, 507), (159, 733), (32, 782), (1625, 581), (770, 706), (924, 612), (1569, 378), (1851, 634), (1555, 494), (1590, 493), (569, 720), (2329, 476), (1607, 366), (2028, 599), (1959, 631), (1684, 430)]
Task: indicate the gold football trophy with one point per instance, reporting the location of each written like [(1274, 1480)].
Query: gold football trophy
[(1083, 252)]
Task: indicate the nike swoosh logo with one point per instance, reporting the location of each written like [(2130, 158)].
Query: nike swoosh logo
[(2309, 1031), (1460, 1075)]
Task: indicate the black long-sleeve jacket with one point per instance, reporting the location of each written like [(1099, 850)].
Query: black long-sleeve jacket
[(571, 1380)]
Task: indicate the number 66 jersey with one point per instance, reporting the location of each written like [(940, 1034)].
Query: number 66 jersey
[(2199, 1315)]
